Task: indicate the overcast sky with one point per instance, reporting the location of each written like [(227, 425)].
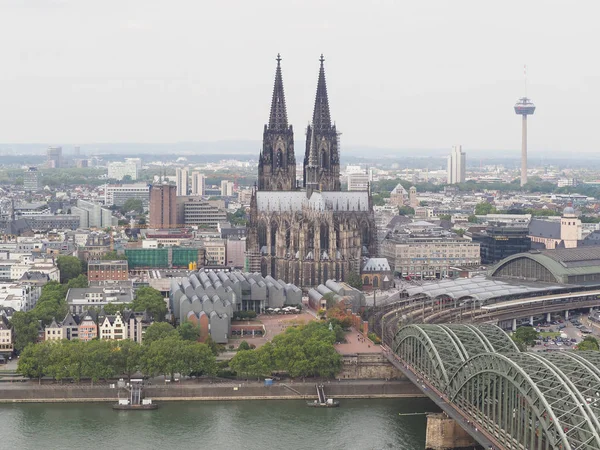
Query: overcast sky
[(400, 74)]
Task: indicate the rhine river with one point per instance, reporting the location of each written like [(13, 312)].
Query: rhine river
[(247, 425)]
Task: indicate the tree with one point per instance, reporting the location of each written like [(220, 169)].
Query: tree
[(214, 347), (126, 357), (445, 217), (330, 299), (80, 281), (151, 300), (158, 331), (243, 346), (34, 359), (484, 208), (589, 343), (406, 211), (188, 331), (25, 328), (69, 266), (460, 232), (114, 308), (525, 337), (354, 280), (472, 218), (244, 362), (132, 204)]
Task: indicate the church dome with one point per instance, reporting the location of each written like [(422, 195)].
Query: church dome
[(569, 211)]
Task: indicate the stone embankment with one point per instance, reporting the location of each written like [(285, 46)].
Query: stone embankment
[(32, 392)]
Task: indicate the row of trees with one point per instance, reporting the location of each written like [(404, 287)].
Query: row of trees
[(526, 336), (302, 351), (164, 352)]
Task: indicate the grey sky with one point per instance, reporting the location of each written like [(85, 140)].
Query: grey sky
[(401, 74)]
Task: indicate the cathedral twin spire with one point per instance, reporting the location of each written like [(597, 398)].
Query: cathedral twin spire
[(277, 164)]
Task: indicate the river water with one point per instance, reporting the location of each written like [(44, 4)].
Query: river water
[(247, 425)]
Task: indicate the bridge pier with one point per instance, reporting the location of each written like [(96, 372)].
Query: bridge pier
[(514, 325), (531, 320), (443, 433), (548, 317), (567, 315)]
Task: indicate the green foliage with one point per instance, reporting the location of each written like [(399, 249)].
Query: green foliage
[(374, 338), (151, 300), (158, 331), (589, 343), (244, 346), (354, 280), (132, 204), (188, 331), (445, 217), (113, 256), (302, 351), (481, 209), (238, 218), (472, 218), (330, 300), (378, 199), (406, 211), (80, 281), (103, 359), (525, 337), (69, 266), (114, 308), (460, 232), (25, 328), (214, 347)]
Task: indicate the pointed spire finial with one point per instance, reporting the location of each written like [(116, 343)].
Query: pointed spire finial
[(321, 115), (278, 116), (322, 59)]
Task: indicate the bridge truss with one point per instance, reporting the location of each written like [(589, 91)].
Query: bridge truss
[(524, 400)]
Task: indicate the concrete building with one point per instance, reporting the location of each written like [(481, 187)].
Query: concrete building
[(136, 161), (93, 215), (236, 252), (118, 194), (426, 251), (358, 181), (88, 329), (215, 252), (31, 180), (19, 296), (192, 210), (120, 170), (113, 328), (54, 158), (6, 337), (198, 183), (163, 206), (227, 188), (457, 164), (182, 181), (80, 300), (108, 270)]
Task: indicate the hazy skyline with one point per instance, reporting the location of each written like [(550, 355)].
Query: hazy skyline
[(428, 74)]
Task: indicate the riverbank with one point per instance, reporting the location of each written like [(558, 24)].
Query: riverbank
[(225, 391)]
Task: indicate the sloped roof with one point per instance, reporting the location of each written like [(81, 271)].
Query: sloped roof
[(377, 264), (281, 201), (544, 228)]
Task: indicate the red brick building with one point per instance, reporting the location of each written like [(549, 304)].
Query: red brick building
[(163, 206), (108, 270)]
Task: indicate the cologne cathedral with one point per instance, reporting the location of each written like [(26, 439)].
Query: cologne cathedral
[(306, 233)]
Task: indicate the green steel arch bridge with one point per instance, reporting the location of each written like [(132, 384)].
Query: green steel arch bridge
[(504, 398)]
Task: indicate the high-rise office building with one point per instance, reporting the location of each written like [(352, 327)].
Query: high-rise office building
[(182, 176), (358, 181), (54, 157), (163, 206), (93, 215), (226, 188), (198, 183), (457, 162), (31, 179)]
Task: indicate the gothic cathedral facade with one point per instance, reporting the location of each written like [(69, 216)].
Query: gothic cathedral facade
[(306, 235)]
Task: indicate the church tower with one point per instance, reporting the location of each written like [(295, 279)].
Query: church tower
[(322, 157), (277, 162)]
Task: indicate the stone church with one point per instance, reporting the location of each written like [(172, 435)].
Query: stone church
[(306, 233)]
